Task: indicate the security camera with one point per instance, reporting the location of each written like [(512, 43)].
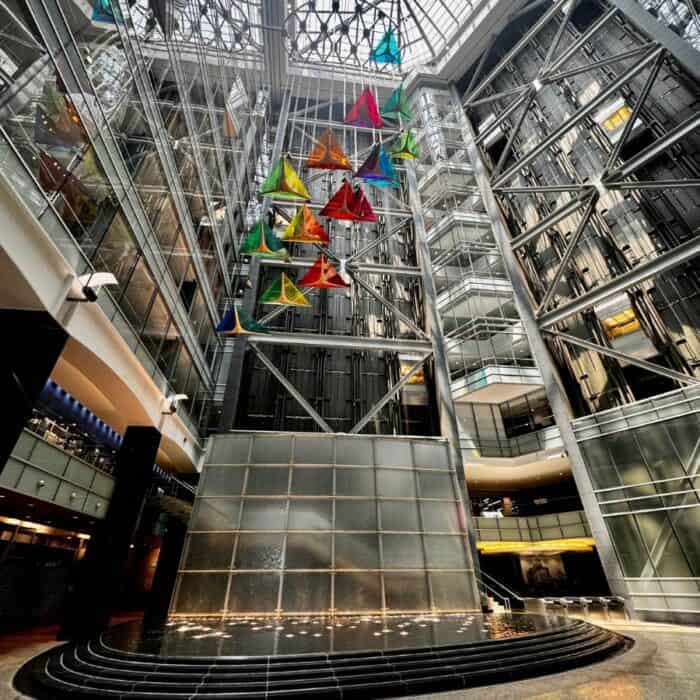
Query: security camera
[(87, 286), (170, 403)]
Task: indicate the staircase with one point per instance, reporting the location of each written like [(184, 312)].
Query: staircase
[(95, 670)]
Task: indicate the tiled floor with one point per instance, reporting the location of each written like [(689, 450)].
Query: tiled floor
[(663, 665)]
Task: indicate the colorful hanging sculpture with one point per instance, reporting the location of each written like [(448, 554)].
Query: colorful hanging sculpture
[(56, 122), (378, 169), (349, 204), (387, 50), (396, 106), (261, 241), (328, 154), (405, 146), (282, 292), (305, 228), (104, 11), (339, 206), (284, 183), (322, 275), (361, 208), (237, 321), (364, 112)]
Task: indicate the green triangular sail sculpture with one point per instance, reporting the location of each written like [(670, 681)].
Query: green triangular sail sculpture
[(283, 292), (284, 183), (261, 241), (405, 146), (387, 50), (396, 106)]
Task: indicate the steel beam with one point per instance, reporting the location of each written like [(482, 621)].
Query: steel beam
[(579, 115), (611, 352), (540, 352), (631, 278), (680, 49), (568, 253), (346, 342), (690, 183), (550, 220), (386, 303), (389, 395), (657, 148), (294, 392)]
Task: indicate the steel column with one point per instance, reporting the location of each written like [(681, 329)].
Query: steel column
[(554, 391)]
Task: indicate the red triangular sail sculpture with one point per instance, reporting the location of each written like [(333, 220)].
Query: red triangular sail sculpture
[(364, 112), (349, 204), (322, 275), (339, 206), (361, 207)]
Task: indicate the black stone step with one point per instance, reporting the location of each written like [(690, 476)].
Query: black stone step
[(94, 670)]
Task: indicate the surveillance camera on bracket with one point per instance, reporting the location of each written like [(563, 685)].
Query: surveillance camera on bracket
[(170, 403), (86, 287)]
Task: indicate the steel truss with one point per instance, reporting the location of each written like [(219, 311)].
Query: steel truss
[(616, 175)]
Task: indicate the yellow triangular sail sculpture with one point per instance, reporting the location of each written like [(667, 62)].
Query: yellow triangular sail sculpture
[(282, 292), (284, 183)]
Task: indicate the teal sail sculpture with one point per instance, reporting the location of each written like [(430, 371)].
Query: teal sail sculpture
[(396, 107), (387, 50)]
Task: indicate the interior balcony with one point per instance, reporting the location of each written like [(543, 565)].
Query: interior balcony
[(462, 225), (471, 296), (496, 384)]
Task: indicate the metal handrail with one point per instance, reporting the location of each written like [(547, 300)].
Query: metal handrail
[(517, 597), (505, 601)]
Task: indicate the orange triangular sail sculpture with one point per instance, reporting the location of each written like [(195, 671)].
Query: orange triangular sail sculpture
[(322, 275), (328, 154), (305, 228), (364, 112)]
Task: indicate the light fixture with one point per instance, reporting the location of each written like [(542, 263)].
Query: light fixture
[(170, 403)]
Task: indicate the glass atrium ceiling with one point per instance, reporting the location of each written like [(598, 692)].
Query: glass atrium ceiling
[(340, 32)]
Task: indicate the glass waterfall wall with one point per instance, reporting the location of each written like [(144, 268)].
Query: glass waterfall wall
[(296, 523)]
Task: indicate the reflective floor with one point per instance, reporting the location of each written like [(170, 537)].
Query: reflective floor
[(321, 635)]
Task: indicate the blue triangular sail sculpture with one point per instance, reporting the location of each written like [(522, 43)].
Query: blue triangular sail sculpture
[(387, 50)]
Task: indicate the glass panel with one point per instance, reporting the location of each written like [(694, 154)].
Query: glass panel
[(401, 516), (402, 551), (312, 481), (355, 515), (223, 481), (440, 517), (451, 591), (310, 514), (230, 449), (264, 514), (137, 297), (308, 592), (394, 482), (254, 593), (353, 451), (357, 592), (201, 593), (259, 552), (267, 481), (628, 543), (445, 552), (354, 482), (272, 450), (407, 591), (430, 455), (215, 514), (313, 450), (211, 551), (308, 551), (434, 485), (357, 551), (393, 453)]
